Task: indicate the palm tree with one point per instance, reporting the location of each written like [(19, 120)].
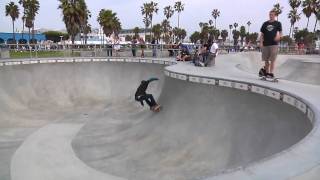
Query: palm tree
[(168, 12), (12, 10), (136, 31), (154, 9), (294, 3), (243, 33), (249, 24), (109, 22), (278, 9), (235, 26), (224, 35), (165, 26), (195, 37), (236, 35), (24, 5), (71, 11), (33, 7), (157, 31), (84, 15), (230, 27), (146, 10), (294, 17), (308, 9), (179, 7), (210, 22), (215, 14), (316, 12)]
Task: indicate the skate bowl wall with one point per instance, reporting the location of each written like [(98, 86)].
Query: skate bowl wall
[(207, 127), (299, 68)]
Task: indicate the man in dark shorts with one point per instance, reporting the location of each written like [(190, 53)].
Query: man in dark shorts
[(141, 94), (271, 33)]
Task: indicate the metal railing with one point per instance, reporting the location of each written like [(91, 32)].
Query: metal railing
[(15, 51)]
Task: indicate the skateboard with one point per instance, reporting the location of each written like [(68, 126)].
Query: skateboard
[(156, 108), (264, 78)]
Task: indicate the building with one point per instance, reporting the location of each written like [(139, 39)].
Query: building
[(7, 38), (98, 37)]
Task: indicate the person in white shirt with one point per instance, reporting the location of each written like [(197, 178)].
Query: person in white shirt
[(211, 61)]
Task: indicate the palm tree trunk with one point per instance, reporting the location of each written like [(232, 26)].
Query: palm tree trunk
[(22, 28), (308, 22), (29, 35), (290, 30), (178, 20), (14, 37), (315, 25), (215, 23)]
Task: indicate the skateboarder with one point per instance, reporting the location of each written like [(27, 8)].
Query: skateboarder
[(141, 95), (271, 33)]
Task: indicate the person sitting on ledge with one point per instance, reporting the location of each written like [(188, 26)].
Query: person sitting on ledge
[(184, 54)]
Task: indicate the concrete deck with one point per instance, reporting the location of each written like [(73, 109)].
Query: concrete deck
[(76, 119)]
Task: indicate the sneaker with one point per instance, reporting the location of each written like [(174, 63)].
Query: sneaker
[(270, 75), (262, 72)]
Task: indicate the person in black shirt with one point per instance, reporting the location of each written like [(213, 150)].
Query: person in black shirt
[(271, 32), (141, 94)]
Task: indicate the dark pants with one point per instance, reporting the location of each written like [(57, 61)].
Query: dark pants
[(133, 52), (109, 50), (148, 98)]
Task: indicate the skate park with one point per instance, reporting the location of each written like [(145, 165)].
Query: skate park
[(76, 118)]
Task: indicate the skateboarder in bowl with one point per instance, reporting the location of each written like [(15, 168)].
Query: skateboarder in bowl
[(271, 32), (141, 95)]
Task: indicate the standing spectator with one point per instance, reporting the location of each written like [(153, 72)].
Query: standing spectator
[(211, 60), (134, 46), (154, 47), (142, 46), (271, 32), (116, 45), (109, 47)]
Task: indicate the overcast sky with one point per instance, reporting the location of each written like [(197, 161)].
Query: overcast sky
[(129, 13)]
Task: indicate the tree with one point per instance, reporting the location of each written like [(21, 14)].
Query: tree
[(33, 7), (235, 26), (294, 3), (24, 5), (180, 33), (109, 22), (12, 10), (230, 28), (316, 13), (305, 36), (136, 31), (84, 16), (249, 24), (236, 35), (278, 9), (165, 26), (243, 33), (168, 12), (287, 39), (156, 30), (179, 7), (215, 14), (308, 9), (224, 35), (252, 38), (195, 37), (55, 36), (148, 9), (71, 11), (128, 38), (294, 17)]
